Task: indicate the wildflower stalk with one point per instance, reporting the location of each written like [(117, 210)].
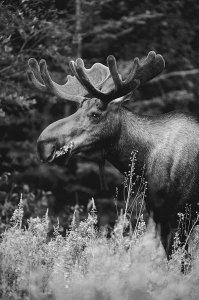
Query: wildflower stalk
[(193, 226), (130, 182), (17, 217)]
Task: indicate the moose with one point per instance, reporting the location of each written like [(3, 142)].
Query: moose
[(167, 144)]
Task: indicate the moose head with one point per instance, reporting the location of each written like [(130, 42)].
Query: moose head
[(99, 92)]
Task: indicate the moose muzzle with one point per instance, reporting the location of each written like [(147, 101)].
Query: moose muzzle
[(46, 150)]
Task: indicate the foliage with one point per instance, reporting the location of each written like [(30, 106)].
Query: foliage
[(45, 29), (35, 204), (87, 265)]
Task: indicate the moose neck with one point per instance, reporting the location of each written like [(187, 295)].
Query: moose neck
[(134, 134)]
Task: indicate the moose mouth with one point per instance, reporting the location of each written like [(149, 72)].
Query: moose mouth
[(66, 152), (63, 151)]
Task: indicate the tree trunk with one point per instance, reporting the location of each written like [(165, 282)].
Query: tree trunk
[(77, 42)]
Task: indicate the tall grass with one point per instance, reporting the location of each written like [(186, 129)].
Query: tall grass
[(87, 265)]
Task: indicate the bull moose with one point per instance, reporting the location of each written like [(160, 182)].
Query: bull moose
[(167, 145)]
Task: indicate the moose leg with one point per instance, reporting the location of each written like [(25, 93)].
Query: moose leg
[(167, 234), (167, 237)]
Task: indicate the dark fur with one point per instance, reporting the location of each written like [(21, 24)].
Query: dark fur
[(168, 146)]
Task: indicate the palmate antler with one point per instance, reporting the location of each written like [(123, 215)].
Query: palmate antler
[(72, 90), (141, 72), (93, 80)]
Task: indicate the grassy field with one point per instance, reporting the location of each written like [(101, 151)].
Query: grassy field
[(91, 263), (87, 265)]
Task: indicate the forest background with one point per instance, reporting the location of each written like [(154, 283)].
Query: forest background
[(59, 31)]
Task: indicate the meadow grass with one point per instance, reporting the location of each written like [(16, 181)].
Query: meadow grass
[(88, 265)]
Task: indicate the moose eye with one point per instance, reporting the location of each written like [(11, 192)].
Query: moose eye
[(94, 115)]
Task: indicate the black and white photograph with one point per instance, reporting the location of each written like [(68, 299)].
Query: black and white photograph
[(99, 150)]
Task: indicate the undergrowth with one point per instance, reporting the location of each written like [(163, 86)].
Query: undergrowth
[(88, 265)]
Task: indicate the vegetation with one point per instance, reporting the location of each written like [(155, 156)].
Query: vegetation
[(91, 263), (88, 265), (48, 29)]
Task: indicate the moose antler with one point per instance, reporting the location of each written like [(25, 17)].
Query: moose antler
[(72, 90), (141, 72), (92, 81)]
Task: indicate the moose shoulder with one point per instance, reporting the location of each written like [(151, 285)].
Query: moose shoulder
[(167, 145)]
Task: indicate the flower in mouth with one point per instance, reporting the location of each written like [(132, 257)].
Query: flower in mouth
[(64, 150)]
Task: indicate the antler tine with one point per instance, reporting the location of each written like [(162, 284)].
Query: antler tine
[(111, 61), (51, 85), (150, 67), (73, 69), (135, 66), (141, 72), (57, 89), (34, 74), (84, 80), (122, 87)]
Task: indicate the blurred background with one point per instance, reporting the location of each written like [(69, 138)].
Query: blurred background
[(61, 30)]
